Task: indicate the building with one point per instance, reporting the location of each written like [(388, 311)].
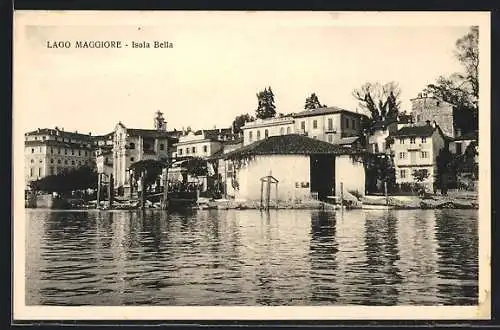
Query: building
[(131, 145), (203, 143), (379, 134), (329, 124), (416, 147), (459, 144), (428, 108), (50, 151), (305, 168)]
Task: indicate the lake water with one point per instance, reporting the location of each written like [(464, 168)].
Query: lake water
[(248, 257)]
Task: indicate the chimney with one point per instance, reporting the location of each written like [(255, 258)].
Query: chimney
[(62, 129), (57, 128), (90, 133), (434, 124), (428, 122)]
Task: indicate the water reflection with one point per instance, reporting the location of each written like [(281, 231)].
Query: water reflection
[(285, 257)]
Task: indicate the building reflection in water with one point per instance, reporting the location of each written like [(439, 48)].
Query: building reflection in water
[(418, 257), (458, 265), (322, 257)]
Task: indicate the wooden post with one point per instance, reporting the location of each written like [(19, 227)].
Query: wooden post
[(385, 192), (276, 195), (98, 189), (341, 195), (225, 179), (110, 190), (261, 193), (142, 189), (268, 192), (164, 205)]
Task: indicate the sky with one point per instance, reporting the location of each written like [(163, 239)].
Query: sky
[(215, 68)]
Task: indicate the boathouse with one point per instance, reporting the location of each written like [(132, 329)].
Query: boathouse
[(304, 168)]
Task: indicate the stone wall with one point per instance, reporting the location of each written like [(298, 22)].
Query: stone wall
[(432, 109)]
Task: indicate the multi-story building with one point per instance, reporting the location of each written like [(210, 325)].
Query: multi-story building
[(329, 124), (202, 143), (378, 136), (416, 147), (50, 151), (131, 145), (429, 108)]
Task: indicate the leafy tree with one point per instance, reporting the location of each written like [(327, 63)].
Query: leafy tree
[(379, 169), (462, 89), (266, 108), (152, 168), (239, 122), (196, 166), (420, 175), (445, 169), (381, 101), (83, 177), (312, 102)]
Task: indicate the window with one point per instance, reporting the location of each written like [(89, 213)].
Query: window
[(194, 150), (65, 151), (79, 152), (412, 140), (438, 103), (205, 149), (179, 151), (51, 150), (52, 161), (401, 141), (315, 137), (423, 139), (85, 153), (32, 150), (282, 131), (258, 135), (31, 171), (250, 136), (375, 147), (288, 130), (402, 155), (330, 124), (40, 161), (131, 159), (459, 148), (146, 146), (418, 117), (65, 162), (39, 172), (162, 146), (347, 123), (402, 174), (32, 161), (59, 151), (424, 154), (58, 161), (51, 170), (315, 123), (72, 162), (353, 123), (266, 133), (132, 145), (303, 125), (187, 151), (72, 152), (330, 138)]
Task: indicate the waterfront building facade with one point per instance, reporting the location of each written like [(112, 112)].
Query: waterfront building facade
[(50, 151), (131, 145), (203, 143), (330, 124), (304, 168), (416, 147)]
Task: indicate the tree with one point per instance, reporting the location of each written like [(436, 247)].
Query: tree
[(152, 168), (381, 101), (266, 108), (445, 169), (420, 175), (462, 89), (83, 177), (239, 122), (312, 102)]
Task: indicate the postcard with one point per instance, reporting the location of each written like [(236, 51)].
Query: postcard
[(251, 165)]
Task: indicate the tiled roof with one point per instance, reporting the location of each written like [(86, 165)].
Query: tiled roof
[(468, 136), (382, 124), (292, 144), (50, 131), (61, 144), (348, 140), (150, 133), (421, 130), (323, 111)]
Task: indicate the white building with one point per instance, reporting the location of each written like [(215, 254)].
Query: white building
[(329, 124), (416, 147)]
